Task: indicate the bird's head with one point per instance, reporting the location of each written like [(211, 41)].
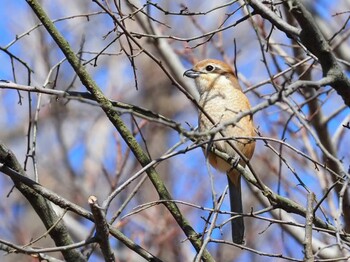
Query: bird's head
[(211, 74)]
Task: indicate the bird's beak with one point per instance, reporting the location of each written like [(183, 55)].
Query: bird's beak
[(191, 73)]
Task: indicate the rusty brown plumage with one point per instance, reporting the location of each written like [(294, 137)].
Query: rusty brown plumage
[(222, 98)]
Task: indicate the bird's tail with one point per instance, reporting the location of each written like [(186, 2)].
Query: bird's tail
[(237, 224)]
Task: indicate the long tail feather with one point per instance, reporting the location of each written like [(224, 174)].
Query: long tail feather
[(237, 224)]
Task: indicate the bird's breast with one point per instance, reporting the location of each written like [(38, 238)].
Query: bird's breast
[(223, 106)]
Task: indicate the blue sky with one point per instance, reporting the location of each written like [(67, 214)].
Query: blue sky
[(186, 187)]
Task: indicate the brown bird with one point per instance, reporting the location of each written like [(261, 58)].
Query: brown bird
[(222, 98)]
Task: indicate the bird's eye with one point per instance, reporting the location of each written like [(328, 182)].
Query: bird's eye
[(209, 68)]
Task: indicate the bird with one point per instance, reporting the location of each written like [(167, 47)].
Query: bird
[(222, 98)]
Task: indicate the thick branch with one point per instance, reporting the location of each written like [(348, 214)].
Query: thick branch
[(313, 39), (42, 207), (65, 204), (277, 21), (308, 256), (102, 231), (118, 123)]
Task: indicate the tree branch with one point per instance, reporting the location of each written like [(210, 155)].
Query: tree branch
[(42, 207), (308, 256), (41, 191), (313, 39), (118, 123), (102, 231), (277, 21)]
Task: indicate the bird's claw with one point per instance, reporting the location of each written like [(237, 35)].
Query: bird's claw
[(234, 161)]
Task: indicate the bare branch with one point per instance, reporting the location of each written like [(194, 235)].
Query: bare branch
[(102, 231), (308, 256)]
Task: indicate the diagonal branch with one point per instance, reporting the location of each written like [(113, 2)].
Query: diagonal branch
[(277, 21), (42, 207), (276, 200), (312, 38), (118, 123), (7, 157)]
